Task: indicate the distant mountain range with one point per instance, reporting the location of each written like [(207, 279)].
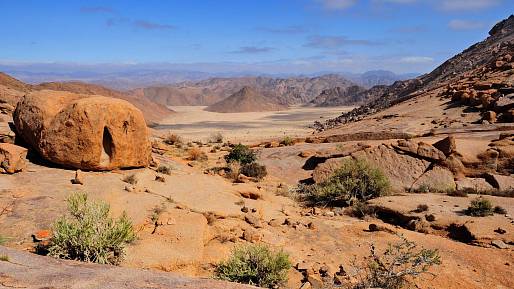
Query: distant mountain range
[(132, 76)]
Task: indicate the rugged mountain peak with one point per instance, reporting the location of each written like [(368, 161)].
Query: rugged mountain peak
[(503, 27)]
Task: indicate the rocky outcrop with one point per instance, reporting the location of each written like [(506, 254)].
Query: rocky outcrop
[(27, 270), (85, 132), (339, 96), (12, 158)]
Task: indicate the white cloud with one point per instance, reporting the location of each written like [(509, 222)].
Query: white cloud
[(416, 59), (338, 4), (460, 5), (458, 24)]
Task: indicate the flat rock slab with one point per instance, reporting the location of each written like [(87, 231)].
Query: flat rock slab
[(26, 270)]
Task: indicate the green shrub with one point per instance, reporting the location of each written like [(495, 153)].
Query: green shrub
[(354, 180), (397, 266), (89, 234), (242, 154), (254, 170), (255, 265), (480, 207)]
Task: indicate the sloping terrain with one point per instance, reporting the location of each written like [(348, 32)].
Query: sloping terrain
[(11, 91), (479, 63), (338, 96), (246, 100), (288, 91)]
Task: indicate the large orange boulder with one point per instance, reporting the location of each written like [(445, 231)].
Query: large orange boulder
[(83, 131)]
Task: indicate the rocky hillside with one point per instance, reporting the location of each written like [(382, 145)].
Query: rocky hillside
[(11, 91), (339, 96), (246, 100), (483, 62), (286, 91)]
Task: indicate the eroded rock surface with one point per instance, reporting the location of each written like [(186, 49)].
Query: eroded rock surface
[(92, 133)]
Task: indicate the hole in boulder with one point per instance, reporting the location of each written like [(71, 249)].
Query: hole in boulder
[(107, 147)]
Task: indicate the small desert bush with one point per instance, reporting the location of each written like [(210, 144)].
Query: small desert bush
[(164, 169), (4, 258), (255, 265), (234, 169), (242, 154), (89, 234), (216, 138), (361, 210), (421, 208), (458, 193), (173, 139), (287, 141), (131, 179), (480, 207), (196, 154), (254, 170), (3, 239), (499, 210), (354, 181), (397, 266)]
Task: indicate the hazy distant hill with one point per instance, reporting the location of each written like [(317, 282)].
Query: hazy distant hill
[(287, 91), (246, 100)]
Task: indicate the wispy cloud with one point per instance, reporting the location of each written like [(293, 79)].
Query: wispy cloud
[(147, 25), (462, 5), (333, 42), (97, 9), (295, 29), (416, 59), (458, 24), (338, 4), (252, 50), (410, 29)]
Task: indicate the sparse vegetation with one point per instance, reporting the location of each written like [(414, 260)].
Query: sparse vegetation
[(287, 141), (354, 181), (216, 138), (499, 210), (242, 154), (361, 210), (457, 193), (173, 139), (3, 239), (421, 208), (130, 179), (255, 265), (89, 234), (164, 169), (196, 154), (234, 169), (4, 258), (480, 207), (398, 266), (254, 170)]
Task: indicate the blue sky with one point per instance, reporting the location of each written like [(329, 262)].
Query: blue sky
[(264, 35)]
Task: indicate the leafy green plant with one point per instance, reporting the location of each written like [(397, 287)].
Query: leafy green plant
[(242, 154), (397, 266), (254, 170), (255, 265), (355, 180), (89, 234), (480, 207)]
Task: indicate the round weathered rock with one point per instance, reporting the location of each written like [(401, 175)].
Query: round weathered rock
[(85, 132)]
